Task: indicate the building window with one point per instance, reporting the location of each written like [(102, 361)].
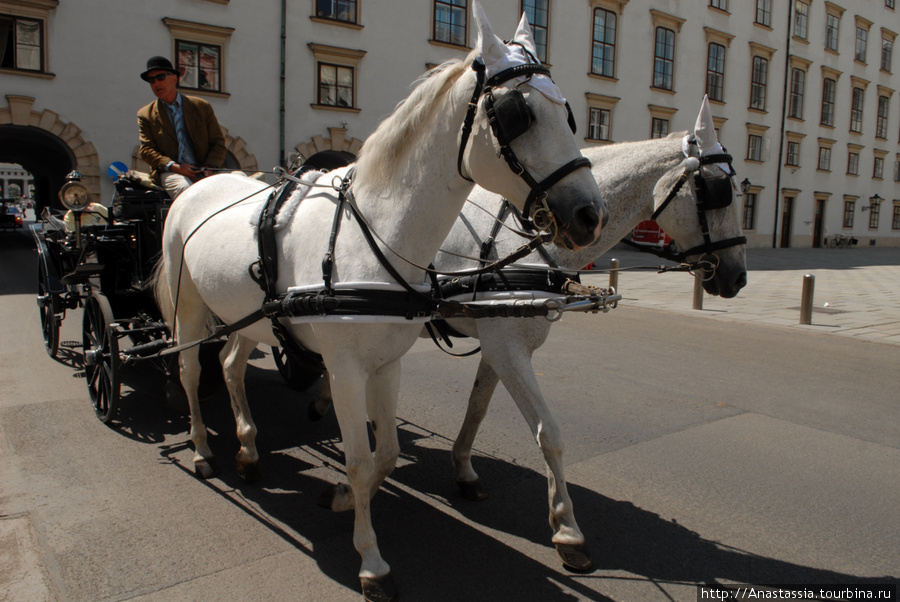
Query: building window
[(720, 4), (715, 71), (199, 54), (824, 158), (754, 147), (664, 59), (339, 10), (764, 12), (660, 128), (798, 83), (200, 65), (749, 214), (793, 154), (758, 82), (801, 19), (849, 209), (862, 36), (881, 125), (897, 170), (450, 21), (603, 59), (852, 164), (895, 221), (21, 43), (887, 49), (598, 128), (538, 13), (874, 215), (335, 85), (889, 4), (878, 168), (856, 110), (828, 93), (832, 28)]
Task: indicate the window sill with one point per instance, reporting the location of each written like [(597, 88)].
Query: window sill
[(663, 90), (338, 22), (35, 74), (598, 142), (199, 92), (448, 45), (336, 108), (601, 77), (759, 111)]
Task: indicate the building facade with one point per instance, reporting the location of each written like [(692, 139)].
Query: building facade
[(803, 91)]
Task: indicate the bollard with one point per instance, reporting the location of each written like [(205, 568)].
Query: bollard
[(806, 300), (614, 274), (698, 293)]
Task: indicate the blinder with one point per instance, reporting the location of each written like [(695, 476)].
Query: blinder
[(713, 186), (510, 116)]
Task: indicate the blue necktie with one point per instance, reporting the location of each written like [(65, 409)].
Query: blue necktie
[(185, 152)]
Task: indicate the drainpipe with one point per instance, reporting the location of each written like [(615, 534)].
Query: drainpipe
[(784, 101), (281, 157)]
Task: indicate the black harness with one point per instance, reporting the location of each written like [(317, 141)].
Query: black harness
[(711, 189), (510, 117)]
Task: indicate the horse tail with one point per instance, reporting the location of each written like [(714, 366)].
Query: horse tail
[(163, 292)]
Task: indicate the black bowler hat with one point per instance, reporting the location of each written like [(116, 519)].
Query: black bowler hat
[(158, 63)]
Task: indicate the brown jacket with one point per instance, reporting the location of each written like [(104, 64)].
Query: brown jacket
[(159, 145)]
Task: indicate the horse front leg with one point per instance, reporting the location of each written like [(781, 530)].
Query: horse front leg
[(508, 351), (234, 357), (349, 390), (482, 390)]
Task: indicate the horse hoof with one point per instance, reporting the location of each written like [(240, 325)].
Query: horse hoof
[(206, 469), (576, 558), (335, 498), (472, 490), (249, 471), (379, 589), (313, 413)]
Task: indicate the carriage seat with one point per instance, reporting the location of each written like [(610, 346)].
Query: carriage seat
[(138, 197)]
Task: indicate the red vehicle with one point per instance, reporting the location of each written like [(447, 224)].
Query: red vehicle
[(649, 234), (10, 216)]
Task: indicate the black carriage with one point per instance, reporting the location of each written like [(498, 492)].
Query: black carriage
[(102, 260)]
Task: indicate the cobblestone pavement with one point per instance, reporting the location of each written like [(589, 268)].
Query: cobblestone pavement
[(856, 291)]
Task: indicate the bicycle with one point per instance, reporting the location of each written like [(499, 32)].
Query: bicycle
[(841, 241)]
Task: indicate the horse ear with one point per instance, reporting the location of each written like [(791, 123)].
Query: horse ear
[(491, 48), (525, 36), (705, 129)]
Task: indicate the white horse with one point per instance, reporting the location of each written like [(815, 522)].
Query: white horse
[(408, 186), (636, 178)]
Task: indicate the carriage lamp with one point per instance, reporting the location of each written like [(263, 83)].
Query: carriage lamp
[(745, 186), (74, 195), (873, 202)]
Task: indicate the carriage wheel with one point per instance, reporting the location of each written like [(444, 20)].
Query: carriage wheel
[(101, 357), (294, 373), (49, 321)]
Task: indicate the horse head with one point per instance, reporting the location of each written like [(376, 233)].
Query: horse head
[(520, 117), (707, 193)]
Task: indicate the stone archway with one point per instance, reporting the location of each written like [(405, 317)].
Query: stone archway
[(47, 147), (237, 157), (337, 141)]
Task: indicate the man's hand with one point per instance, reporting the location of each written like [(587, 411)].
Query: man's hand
[(188, 171)]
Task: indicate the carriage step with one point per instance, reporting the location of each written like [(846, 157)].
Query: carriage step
[(82, 273)]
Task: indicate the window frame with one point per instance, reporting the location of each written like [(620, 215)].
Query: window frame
[(759, 89), (603, 44), (764, 9), (541, 32), (715, 73), (857, 105), (599, 102), (796, 93), (824, 162), (881, 120), (664, 66), (801, 20), (853, 160), (832, 31), (861, 46), (754, 143), (748, 212), (887, 50), (827, 113), (339, 58), (201, 34), (874, 215), (601, 125), (449, 6), (895, 218), (849, 212), (318, 14)]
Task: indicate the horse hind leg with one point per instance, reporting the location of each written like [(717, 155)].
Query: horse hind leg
[(482, 390), (234, 357)]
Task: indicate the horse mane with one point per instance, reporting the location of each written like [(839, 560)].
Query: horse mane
[(389, 144)]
